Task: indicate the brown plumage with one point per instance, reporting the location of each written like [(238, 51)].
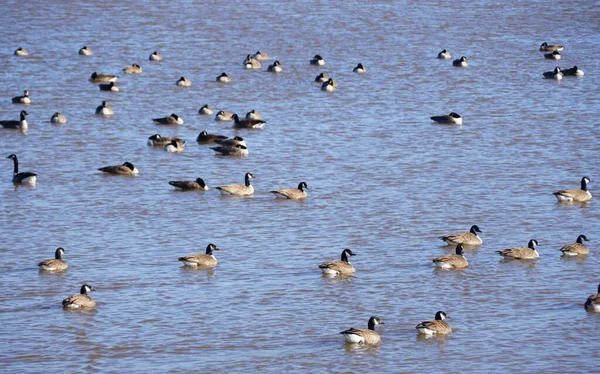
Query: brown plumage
[(545, 47), (577, 196), (201, 259), (157, 140), (437, 326), (452, 261), (577, 248), (292, 193), (592, 304), (247, 123), (97, 78), (56, 263), (245, 189), (364, 336), (205, 138), (126, 169), (465, 238), (342, 267), (81, 300), (521, 253), (198, 184)]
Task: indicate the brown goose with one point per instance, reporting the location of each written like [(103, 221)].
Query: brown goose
[(521, 253), (198, 184), (157, 140), (13, 124), (452, 261), (292, 193), (97, 78), (56, 263), (81, 300), (247, 123), (436, 327), (364, 336), (465, 238), (575, 196), (592, 304), (545, 47), (245, 189), (22, 99), (342, 267), (126, 169), (205, 138), (577, 248), (202, 259), (23, 177)]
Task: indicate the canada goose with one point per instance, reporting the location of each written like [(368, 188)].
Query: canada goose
[(552, 56), (157, 140), (577, 248), (234, 141), (55, 264), (112, 87), (253, 114), (550, 48), (173, 119), (58, 119), (21, 52), (574, 71), (198, 184), (223, 116), (342, 267), (317, 60), (461, 62), (292, 193), (85, 51), (592, 304), (238, 189), (183, 82), (24, 99), (126, 169), (556, 74), (175, 146), (24, 177), (359, 68), (328, 86), (252, 63), (465, 238), (322, 78), (201, 259), (521, 253), (104, 110), (80, 300), (577, 196), (205, 138), (13, 124), (452, 118), (97, 78), (261, 56), (452, 261), (155, 56), (133, 69), (231, 150), (223, 78), (205, 110), (247, 123), (275, 67), (436, 327), (364, 336), (444, 55)]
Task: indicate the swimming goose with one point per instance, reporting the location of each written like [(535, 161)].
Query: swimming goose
[(13, 124), (261, 56), (364, 336), (275, 67), (205, 138), (205, 110), (224, 78), (198, 184), (175, 146), (322, 78), (104, 109), (555, 74), (85, 51), (574, 71), (55, 264), (252, 63), (444, 55), (461, 62), (342, 267), (201, 259), (552, 56), (550, 48), (155, 56), (328, 86), (453, 261), (592, 304), (97, 78), (58, 119), (173, 119), (577, 248), (133, 69), (231, 150), (359, 69), (465, 238), (521, 253), (292, 193), (81, 300), (238, 189), (157, 140), (247, 123), (253, 114), (436, 327), (317, 60), (21, 52), (23, 177), (230, 142), (577, 196), (452, 118), (126, 169), (183, 82), (112, 87), (24, 99), (223, 116)]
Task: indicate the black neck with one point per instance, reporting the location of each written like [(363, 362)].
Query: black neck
[(345, 256), (583, 185), (247, 181), (371, 325), (16, 166)]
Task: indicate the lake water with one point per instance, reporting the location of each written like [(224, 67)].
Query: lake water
[(384, 181)]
